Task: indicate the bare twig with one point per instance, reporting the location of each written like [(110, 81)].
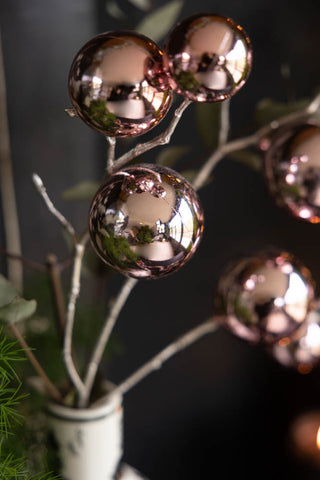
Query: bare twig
[(9, 207), (252, 140), (28, 263), (52, 209), (111, 153), (224, 123), (59, 303), (157, 361), (51, 389), (104, 337), (74, 293), (162, 139)]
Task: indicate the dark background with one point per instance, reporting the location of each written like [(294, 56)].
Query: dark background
[(222, 408)]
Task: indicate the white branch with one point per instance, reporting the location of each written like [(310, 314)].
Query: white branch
[(111, 153), (104, 337), (224, 123), (74, 293), (38, 183), (162, 139), (157, 361), (252, 140)]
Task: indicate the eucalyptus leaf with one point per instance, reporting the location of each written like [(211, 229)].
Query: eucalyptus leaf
[(268, 109), (157, 24), (82, 191), (170, 155), (207, 117), (17, 310), (7, 291), (190, 175), (142, 4), (247, 157), (113, 9)]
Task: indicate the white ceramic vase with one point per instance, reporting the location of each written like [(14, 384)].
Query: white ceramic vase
[(90, 441)]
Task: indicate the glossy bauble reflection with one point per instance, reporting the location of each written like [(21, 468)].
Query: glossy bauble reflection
[(117, 84), (209, 57), (302, 350), (266, 297), (146, 221), (292, 168)]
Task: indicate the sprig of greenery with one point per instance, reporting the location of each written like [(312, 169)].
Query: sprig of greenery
[(12, 467)]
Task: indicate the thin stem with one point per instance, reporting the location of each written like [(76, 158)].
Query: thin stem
[(28, 263), (224, 123), (57, 290), (162, 139), (251, 140), (104, 337), (10, 214), (111, 153), (74, 294), (52, 209), (52, 390), (157, 361)]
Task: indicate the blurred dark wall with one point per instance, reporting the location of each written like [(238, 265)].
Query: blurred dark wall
[(222, 408)]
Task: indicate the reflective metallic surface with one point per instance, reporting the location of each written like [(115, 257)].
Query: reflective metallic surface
[(292, 167), (209, 57), (266, 297), (146, 221), (302, 350), (117, 84)]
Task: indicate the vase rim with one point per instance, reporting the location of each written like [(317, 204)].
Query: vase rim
[(102, 408)]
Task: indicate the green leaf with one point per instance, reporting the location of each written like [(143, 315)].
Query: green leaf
[(207, 117), (170, 155), (17, 310), (190, 175), (158, 23), (82, 191), (113, 9), (247, 157), (7, 291), (268, 109), (141, 4)]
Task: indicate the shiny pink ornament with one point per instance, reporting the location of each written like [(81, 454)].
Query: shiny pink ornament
[(118, 86), (208, 57), (292, 166), (266, 297), (302, 350), (146, 221)]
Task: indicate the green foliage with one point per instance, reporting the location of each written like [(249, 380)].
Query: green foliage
[(268, 109), (157, 24), (188, 81), (207, 116), (249, 158), (118, 250), (170, 155), (101, 116), (12, 467), (13, 308), (145, 234), (82, 191)]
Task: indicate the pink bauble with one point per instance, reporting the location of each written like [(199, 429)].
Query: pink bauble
[(209, 57), (117, 84)]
